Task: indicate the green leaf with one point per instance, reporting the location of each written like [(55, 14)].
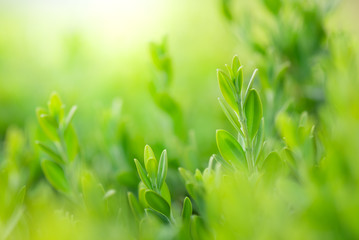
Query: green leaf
[(128, 179), (273, 5), (150, 163), (162, 169), (142, 173), (165, 193), (227, 89), (289, 157), (237, 72), (221, 161), (198, 229), (135, 206), (253, 111), (250, 84), (258, 140), (187, 210), (151, 168), (229, 147), (141, 194), (47, 124), (56, 108), (232, 119), (273, 163), (148, 153), (93, 193), (158, 203), (72, 145), (235, 64), (226, 9), (20, 196), (186, 175), (56, 157), (157, 215), (69, 117), (55, 175)]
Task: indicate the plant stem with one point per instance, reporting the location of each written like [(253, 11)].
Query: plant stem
[(248, 143)]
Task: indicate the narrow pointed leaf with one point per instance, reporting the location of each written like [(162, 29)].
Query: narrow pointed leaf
[(162, 169), (239, 80), (70, 116), (253, 111), (135, 206), (142, 173), (187, 210), (258, 140), (235, 64)]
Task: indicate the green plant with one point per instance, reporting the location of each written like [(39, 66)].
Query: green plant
[(154, 196), (243, 109), (59, 130), (283, 165)]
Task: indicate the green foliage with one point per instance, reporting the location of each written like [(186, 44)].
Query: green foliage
[(55, 175), (229, 148), (244, 111), (284, 166)]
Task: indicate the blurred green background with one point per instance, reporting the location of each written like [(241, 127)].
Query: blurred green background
[(96, 55), (92, 52)]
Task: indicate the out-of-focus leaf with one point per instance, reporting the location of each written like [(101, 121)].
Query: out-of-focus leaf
[(47, 124), (141, 194), (72, 146), (135, 206), (93, 193), (226, 9), (20, 196), (55, 175), (187, 210), (272, 164), (128, 179), (198, 229), (224, 163), (165, 193), (56, 107), (258, 140), (56, 157), (273, 5), (69, 117)]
